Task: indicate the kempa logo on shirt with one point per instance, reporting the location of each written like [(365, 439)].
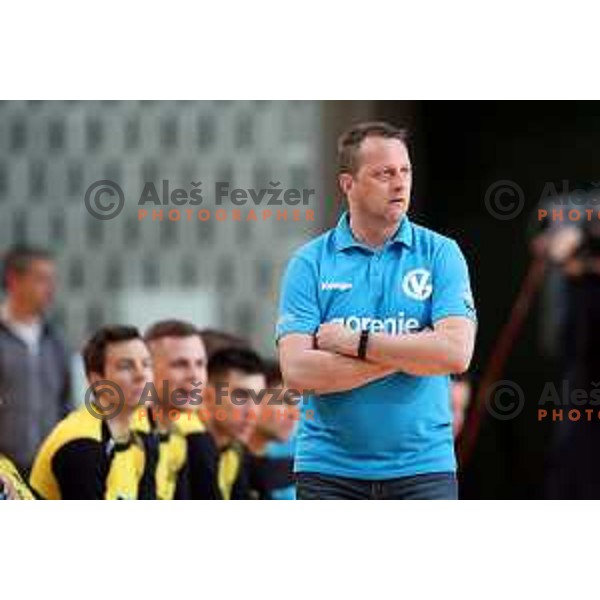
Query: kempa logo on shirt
[(392, 325), (336, 286), (417, 284)]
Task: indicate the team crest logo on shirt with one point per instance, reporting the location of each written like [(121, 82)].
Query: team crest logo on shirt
[(417, 284)]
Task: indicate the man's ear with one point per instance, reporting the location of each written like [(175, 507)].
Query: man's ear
[(345, 181), (94, 378), (13, 280)]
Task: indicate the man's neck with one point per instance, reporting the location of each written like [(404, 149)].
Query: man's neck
[(17, 313), (119, 426), (162, 416), (371, 232), (257, 443), (221, 439)]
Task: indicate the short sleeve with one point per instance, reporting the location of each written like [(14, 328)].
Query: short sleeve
[(452, 295), (77, 468), (299, 303)]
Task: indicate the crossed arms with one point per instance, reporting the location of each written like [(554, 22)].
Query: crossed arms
[(333, 367)]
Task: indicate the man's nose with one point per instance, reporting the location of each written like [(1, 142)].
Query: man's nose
[(399, 183), (248, 410), (142, 373)]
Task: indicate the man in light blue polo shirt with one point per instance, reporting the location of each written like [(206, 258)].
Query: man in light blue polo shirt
[(375, 315)]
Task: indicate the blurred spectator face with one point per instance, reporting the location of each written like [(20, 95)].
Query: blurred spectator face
[(234, 413), (460, 395), (35, 287), (128, 365), (277, 422), (181, 363), (380, 188)]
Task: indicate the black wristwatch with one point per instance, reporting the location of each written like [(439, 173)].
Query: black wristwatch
[(362, 344)]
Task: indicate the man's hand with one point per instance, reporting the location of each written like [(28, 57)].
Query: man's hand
[(7, 489), (335, 337)]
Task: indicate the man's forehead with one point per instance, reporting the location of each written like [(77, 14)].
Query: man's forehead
[(376, 149), (171, 345), (42, 264), (241, 379), (126, 349)]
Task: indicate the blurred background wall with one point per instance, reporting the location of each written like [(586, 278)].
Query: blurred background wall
[(218, 273)]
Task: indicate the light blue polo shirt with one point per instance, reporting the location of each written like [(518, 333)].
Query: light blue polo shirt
[(399, 425)]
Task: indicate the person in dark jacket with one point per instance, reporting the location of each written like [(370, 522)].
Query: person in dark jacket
[(34, 363)]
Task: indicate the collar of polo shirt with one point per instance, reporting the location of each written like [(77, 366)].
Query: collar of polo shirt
[(345, 239)]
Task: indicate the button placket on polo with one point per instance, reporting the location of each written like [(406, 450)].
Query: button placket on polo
[(376, 278)]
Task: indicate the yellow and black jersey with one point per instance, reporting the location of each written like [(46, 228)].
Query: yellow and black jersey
[(214, 474), (9, 472), (231, 473), (80, 460), (165, 474), (269, 477)]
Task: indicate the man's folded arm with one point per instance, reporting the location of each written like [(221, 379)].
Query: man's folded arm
[(447, 349), (305, 368)]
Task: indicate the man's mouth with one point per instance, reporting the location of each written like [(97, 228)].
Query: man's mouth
[(397, 200)]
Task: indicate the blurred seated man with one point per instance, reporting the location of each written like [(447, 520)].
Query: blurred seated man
[(172, 422), (92, 454), (232, 407), (12, 485), (271, 445)]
